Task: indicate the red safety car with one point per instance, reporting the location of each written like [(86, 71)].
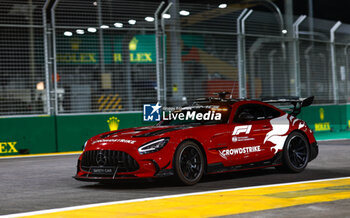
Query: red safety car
[(249, 134)]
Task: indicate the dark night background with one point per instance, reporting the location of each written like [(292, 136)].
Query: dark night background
[(324, 9)]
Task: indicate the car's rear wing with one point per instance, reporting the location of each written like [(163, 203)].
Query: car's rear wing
[(297, 102)]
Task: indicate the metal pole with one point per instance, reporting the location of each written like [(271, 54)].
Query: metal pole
[(252, 74), (239, 51), (308, 71), (239, 54), (53, 24), (280, 16), (296, 24), (333, 62), (100, 37), (347, 69), (158, 68), (127, 68), (311, 18), (46, 59), (244, 19), (164, 52), (291, 84), (324, 74), (288, 10), (31, 45), (177, 72), (252, 50), (296, 54), (271, 60), (244, 63)]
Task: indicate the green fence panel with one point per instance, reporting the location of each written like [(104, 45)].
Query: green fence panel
[(323, 118), (30, 134)]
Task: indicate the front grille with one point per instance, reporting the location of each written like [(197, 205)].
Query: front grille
[(119, 159)]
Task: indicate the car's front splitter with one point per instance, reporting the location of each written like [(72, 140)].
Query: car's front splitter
[(148, 169)]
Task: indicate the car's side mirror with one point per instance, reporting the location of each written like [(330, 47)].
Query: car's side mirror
[(244, 117)]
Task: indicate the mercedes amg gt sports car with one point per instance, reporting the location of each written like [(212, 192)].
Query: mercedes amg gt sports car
[(250, 134)]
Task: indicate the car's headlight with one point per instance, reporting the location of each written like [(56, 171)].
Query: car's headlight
[(85, 145), (153, 146)]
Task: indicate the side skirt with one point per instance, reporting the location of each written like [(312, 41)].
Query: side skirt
[(220, 168)]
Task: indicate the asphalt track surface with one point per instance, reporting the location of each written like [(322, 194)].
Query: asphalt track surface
[(38, 183)]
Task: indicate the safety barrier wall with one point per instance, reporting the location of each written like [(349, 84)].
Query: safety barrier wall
[(327, 118), (37, 134), (69, 132), (59, 133)]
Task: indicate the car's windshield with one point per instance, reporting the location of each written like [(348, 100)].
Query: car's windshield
[(197, 115)]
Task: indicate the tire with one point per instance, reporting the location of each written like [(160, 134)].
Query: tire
[(189, 163), (296, 153)]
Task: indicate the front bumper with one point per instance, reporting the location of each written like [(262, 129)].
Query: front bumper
[(87, 178), (147, 168)]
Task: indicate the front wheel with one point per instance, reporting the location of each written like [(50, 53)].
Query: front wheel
[(296, 153), (189, 163)]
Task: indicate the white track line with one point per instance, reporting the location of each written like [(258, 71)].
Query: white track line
[(159, 197)]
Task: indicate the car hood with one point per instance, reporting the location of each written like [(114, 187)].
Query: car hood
[(133, 136), (143, 131)]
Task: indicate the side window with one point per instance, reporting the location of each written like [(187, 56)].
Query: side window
[(255, 110), (270, 112)]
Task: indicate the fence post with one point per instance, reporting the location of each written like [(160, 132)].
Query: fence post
[(164, 52), (46, 59), (333, 62), (296, 55), (239, 52), (159, 58), (100, 36), (54, 61), (161, 52), (308, 70), (271, 61), (346, 70), (242, 74)]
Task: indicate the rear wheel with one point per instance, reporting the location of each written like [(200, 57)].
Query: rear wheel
[(189, 163), (296, 153)]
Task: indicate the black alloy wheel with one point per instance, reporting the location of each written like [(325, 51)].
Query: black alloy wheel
[(296, 153), (189, 163)]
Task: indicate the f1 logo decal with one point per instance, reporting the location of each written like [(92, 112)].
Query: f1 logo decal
[(239, 129)]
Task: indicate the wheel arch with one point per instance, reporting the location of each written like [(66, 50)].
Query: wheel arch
[(303, 133), (200, 147), (307, 139)]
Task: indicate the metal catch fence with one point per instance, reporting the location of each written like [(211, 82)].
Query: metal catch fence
[(76, 57)]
